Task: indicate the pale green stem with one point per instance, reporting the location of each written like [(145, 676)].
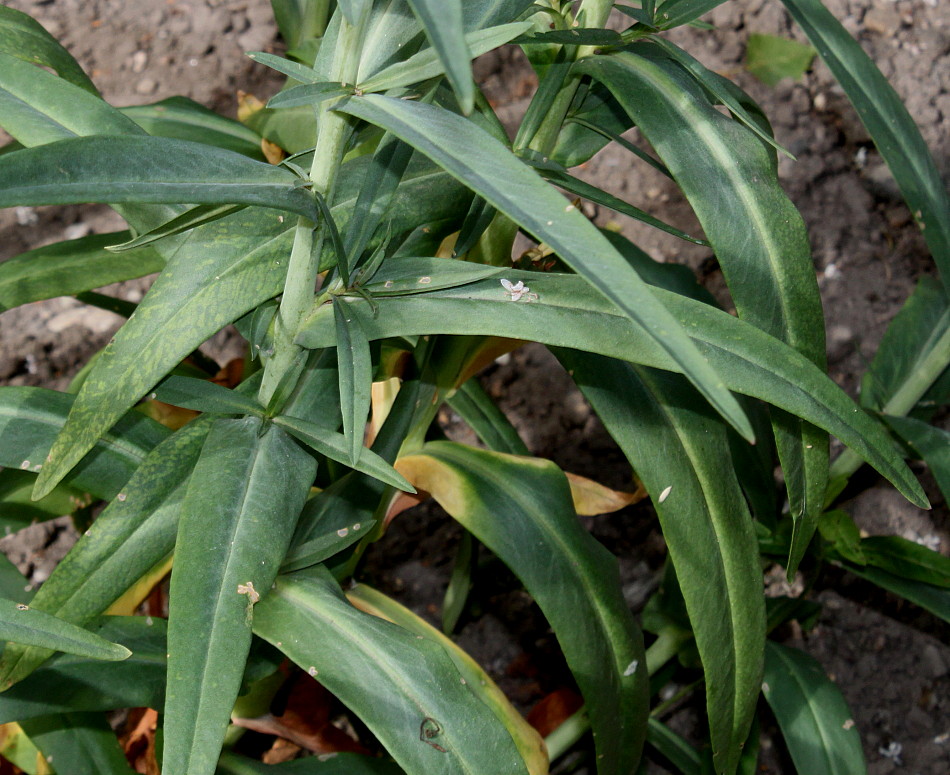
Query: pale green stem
[(332, 131), (905, 398)]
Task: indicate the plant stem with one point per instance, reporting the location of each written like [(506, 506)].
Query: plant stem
[(905, 398), (332, 135)]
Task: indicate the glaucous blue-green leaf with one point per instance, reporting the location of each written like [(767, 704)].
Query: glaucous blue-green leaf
[(290, 68), (201, 395), (522, 510), (71, 267), (730, 179), (37, 107), (428, 64), (237, 518), (324, 546), (24, 37), (355, 365), (308, 94), (815, 720), (404, 687), (32, 627), (706, 525), (185, 119), (69, 683), (217, 274), (30, 418), (887, 121), (78, 744), (299, 20), (445, 29), (486, 166), (568, 312), (132, 535), (140, 169), (403, 275), (337, 447), (526, 738)]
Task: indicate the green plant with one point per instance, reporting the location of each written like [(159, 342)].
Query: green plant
[(398, 197)]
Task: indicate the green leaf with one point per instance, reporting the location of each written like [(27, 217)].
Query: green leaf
[(189, 219), (815, 720), (308, 94), (404, 275), (486, 419), (528, 741), (216, 275), (31, 417), (299, 20), (930, 443), (907, 559), (78, 744), (771, 58), (22, 624), (427, 64), (569, 313), (522, 510), (355, 366), (444, 27), (927, 596), (18, 510), (912, 339), (673, 747), (25, 38), (184, 119), (132, 169), (71, 267), (337, 447), (887, 121), (485, 165), (766, 260), (410, 694), (594, 120), (325, 546), (706, 525), (336, 764), (576, 36), (294, 70), (353, 10), (202, 395), (237, 518), (674, 13), (37, 107), (131, 536), (68, 683), (839, 530)]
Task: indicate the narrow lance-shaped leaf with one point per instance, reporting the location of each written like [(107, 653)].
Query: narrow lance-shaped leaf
[(766, 260), (78, 744), (22, 624), (134, 533), (483, 164), (521, 509), (567, 312), (444, 26), (69, 683), (31, 417), (132, 169), (356, 377), (815, 720), (706, 525), (529, 742), (71, 267), (237, 519), (24, 37), (887, 121), (409, 692)]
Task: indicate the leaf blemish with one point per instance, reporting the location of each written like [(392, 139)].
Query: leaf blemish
[(632, 667), (342, 532), (665, 494), (21, 607), (248, 589)]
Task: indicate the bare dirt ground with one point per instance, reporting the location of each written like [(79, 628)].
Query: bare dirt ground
[(891, 661)]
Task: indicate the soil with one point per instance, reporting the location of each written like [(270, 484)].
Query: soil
[(890, 660)]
